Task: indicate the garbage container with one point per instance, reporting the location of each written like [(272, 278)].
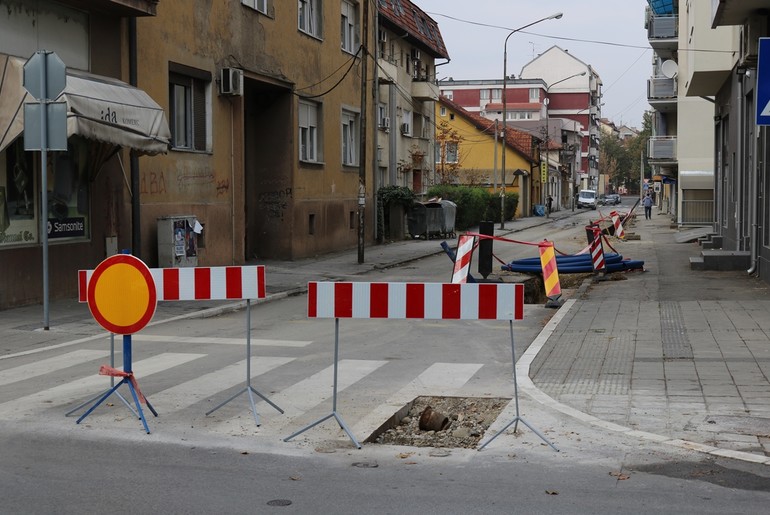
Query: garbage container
[(416, 221), (426, 219), (450, 214)]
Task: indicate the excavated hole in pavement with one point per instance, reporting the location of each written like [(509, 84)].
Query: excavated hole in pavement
[(468, 418)]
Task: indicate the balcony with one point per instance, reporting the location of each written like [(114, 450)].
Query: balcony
[(663, 34), (662, 93), (388, 71), (424, 90), (661, 149)]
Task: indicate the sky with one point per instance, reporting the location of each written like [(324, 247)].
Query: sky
[(607, 34)]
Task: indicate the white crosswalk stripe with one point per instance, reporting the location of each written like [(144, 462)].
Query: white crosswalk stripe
[(46, 366), (140, 337), (214, 384), (183, 405), (69, 393)]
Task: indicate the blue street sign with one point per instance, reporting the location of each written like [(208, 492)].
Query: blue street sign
[(763, 82)]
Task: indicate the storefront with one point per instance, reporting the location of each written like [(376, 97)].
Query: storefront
[(88, 192)]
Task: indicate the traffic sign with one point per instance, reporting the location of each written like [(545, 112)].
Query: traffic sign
[(122, 295), (763, 82), (56, 126), (45, 75)]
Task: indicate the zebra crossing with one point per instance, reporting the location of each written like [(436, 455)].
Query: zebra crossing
[(181, 392)]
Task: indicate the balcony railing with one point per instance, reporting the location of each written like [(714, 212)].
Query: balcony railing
[(697, 212), (661, 148), (424, 90), (663, 27)]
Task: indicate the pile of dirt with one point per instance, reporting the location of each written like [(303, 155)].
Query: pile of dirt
[(468, 418)]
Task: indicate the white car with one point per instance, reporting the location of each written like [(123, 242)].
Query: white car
[(587, 198)]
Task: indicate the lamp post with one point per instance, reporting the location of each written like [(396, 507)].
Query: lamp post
[(546, 101), (505, 110)]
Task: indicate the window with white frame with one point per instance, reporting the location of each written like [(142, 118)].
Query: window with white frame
[(310, 17), (257, 5), (449, 94), (497, 95), (349, 138), (446, 152), (308, 131), (534, 95), (188, 101), (349, 27), (383, 121), (484, 94), (442, 111)]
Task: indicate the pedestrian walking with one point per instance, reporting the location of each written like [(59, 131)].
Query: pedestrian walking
[(549, 203), (647, 203)]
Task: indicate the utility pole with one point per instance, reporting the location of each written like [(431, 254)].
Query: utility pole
[(362, 137)]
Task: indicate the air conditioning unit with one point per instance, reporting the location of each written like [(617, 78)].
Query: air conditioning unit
[(231, 82), (415, 54), (754, 28), (405, 129), (382, 36), (385, 123)]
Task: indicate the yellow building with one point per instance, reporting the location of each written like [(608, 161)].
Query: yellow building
[(468, 150)]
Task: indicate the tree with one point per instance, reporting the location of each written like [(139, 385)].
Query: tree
[(448, 159), (637, 149)]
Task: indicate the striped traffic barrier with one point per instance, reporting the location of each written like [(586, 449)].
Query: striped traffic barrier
[(594, 234), (550, 271), (181, 284), (619, 232), (463, 256), (414, 301)]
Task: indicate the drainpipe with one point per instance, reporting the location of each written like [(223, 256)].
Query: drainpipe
[(136, 232), (754, 201), (376, 138), (739, 167)]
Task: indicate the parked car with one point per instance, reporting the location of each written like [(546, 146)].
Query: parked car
[(613, 199), (602, 201), (587, 198)]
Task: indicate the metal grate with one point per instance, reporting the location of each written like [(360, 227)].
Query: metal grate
[(676, 345)]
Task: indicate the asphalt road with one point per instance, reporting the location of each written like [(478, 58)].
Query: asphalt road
[(225, 463)]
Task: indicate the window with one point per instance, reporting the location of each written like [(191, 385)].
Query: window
[(349, 27), (406, 123), (484, 94), (534, 95), (349, 138), (497, 95), (449, 94), (257, 5), (451, 151), (188, 101), (446, 150), (308, 131), (310, 17), (442, 111)]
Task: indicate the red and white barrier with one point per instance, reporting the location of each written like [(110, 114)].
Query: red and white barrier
[(473, 301), (597, 250), (463, 259), (619, 232), (199, 283)]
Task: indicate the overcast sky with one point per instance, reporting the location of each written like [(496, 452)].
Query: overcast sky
[(596, 30)]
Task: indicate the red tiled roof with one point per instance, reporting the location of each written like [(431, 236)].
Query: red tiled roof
[(520, 141), (419, 26)]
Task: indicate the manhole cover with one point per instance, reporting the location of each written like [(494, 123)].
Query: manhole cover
[(279, 502), (468, 418)]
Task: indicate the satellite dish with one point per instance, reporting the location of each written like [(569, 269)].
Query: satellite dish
[(669, 69)]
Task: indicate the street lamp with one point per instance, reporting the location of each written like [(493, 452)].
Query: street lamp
[(505, 110), (546, 101)]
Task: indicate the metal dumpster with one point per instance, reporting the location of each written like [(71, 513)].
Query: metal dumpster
[(425, 220), (450, 214)]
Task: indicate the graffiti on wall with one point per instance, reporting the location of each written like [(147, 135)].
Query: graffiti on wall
[(275, 203)]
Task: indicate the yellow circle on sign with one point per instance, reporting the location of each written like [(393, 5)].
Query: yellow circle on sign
[(122, 294)]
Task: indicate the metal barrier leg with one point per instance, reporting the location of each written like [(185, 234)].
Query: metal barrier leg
[(248, 389), (334, 396), (517, 418)]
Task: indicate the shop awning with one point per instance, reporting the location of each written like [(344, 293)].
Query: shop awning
[(98, 108)]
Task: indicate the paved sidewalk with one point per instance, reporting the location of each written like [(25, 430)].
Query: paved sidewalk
[(668, 354)]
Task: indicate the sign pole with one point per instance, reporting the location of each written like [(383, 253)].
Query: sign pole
[(44, 187)]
